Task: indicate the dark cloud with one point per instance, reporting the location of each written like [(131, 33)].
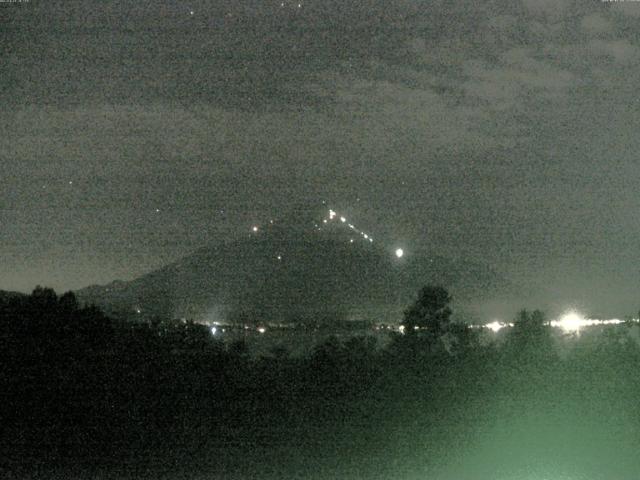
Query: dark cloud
[(502, 131)]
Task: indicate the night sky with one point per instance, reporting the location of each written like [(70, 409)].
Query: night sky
[(505, 132)]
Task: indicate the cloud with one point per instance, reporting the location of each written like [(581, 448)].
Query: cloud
[(622, 52), (510, 105), (596, 24), (629, 7), (516, 75), (551, 9)]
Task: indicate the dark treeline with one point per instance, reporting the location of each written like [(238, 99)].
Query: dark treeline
[(84, 394)]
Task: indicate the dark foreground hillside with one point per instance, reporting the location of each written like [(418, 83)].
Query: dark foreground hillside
[(85, 397)]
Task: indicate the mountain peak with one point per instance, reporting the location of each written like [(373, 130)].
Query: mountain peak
[(304, 270)]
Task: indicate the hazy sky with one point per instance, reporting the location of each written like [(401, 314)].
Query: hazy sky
[(502, 131)]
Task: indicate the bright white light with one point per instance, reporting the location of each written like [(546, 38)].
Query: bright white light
[(572, 322), (495, 326), (192, 12), (351, 240), (254, 228), (366, 236), (331, 214), (324, 221), (399, 253), (279, 257), (342, 219), (401, 328), (262, 329), (214, 329), (614, 321)]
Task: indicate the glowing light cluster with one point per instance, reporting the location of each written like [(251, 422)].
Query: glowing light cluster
[(570, 322), (573, 322), (333, 214), (496, 326)]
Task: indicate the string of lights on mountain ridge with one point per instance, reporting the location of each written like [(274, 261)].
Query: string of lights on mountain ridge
[(335, 218)]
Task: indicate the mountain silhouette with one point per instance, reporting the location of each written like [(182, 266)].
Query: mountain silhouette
[(6, 295), (290, 273)]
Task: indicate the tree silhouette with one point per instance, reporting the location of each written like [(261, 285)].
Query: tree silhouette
[(530, 340), (430, 312), (43, 301), (530, 327), (68, 303)]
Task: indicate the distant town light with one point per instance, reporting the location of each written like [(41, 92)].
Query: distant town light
[(254, 228), (571, 322), (495, 326), (214, 329), (399, 252), (262, 329)]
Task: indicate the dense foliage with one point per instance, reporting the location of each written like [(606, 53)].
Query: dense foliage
[(84, 394)]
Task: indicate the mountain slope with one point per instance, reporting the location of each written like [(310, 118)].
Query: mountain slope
[(8, 295), (286, 274)]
